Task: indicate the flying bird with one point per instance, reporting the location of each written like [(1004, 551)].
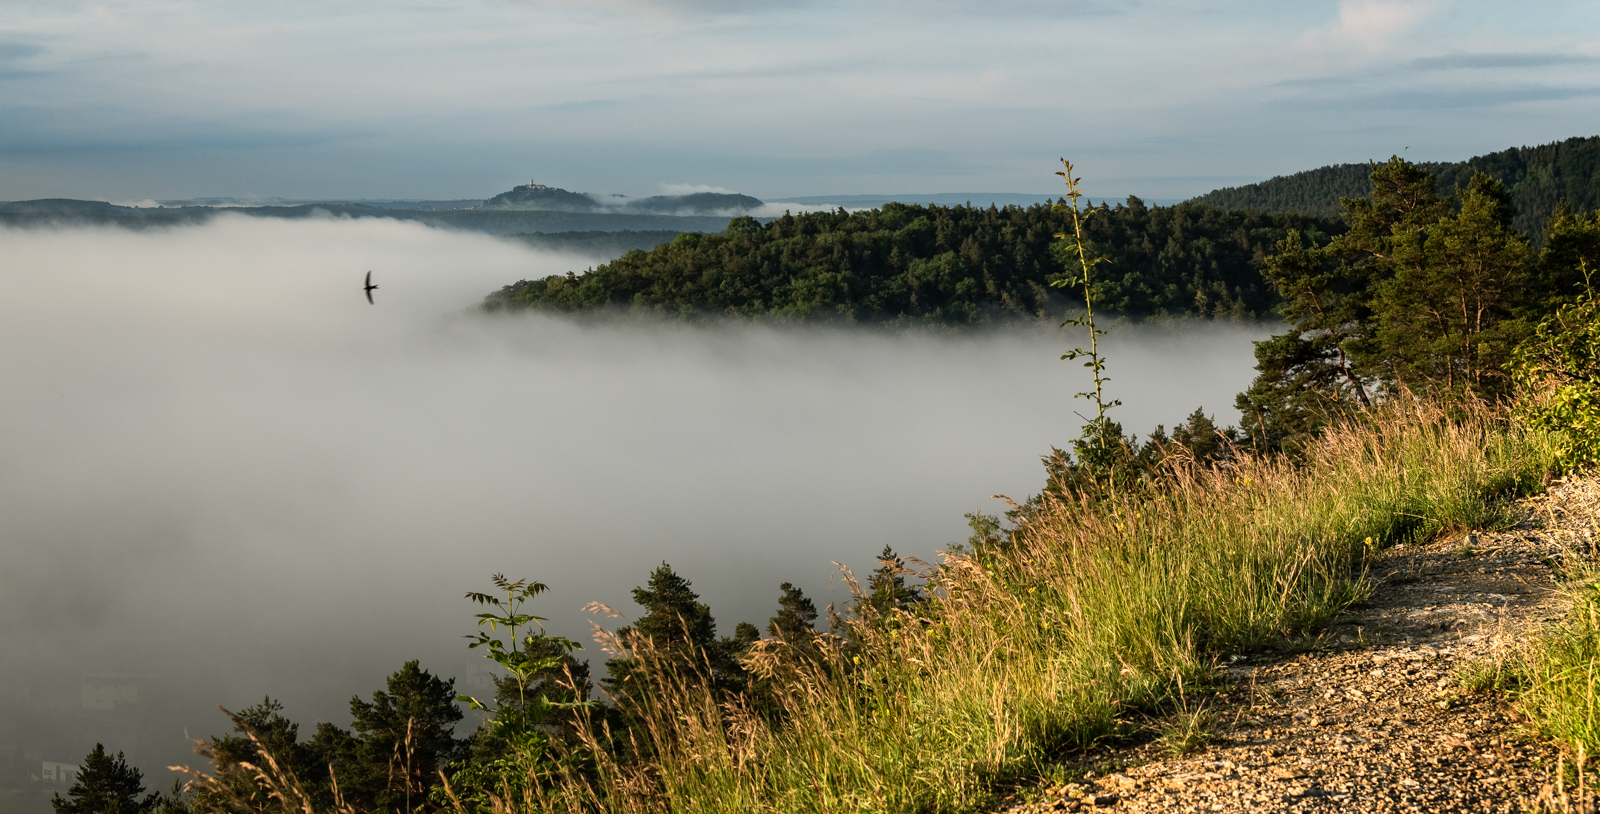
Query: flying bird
[(369, 288)]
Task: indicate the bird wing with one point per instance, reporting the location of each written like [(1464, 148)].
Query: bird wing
[(369, 296)]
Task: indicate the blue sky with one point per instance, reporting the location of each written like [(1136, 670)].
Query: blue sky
[(128, 101)]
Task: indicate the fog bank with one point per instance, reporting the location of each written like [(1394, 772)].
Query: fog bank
[(224, 474)]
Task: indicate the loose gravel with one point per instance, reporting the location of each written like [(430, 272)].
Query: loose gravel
[(1374, 717)]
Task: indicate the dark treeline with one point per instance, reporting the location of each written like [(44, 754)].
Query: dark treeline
[(1537, 178), (403, 742), (937, 265)]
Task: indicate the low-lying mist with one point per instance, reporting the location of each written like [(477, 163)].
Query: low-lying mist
[(223, 474)]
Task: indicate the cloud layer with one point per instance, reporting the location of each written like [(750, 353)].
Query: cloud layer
[(363, 99)]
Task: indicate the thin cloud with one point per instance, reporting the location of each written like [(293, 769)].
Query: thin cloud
[(1006, 8), (690, 189), (1450, 62), (994, 8), (1458, 98), (1367, 26), (13, 50), (14, 58)]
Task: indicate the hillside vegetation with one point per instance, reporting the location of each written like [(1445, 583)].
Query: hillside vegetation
[(1538, 178), (937, 265)]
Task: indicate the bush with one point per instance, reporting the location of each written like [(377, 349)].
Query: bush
[(1558, 369)]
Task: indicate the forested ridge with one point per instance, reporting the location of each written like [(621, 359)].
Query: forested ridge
[(938, 265), (1536, 177)]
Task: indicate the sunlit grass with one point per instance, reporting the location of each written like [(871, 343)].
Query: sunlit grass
[(1557, 683), (1057, 637)]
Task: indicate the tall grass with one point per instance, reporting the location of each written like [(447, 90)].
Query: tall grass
[(1556, 679), (1560, 692), (1043, 643)]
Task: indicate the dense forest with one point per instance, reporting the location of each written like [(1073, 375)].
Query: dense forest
[(937, 265), (1536, 177), (1423, 294)]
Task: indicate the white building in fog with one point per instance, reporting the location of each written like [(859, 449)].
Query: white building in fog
[(52, 772)]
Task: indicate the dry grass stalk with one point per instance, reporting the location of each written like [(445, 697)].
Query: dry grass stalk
[(263, 787), (1044, 642)]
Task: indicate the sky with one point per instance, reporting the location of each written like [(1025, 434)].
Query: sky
[(463, 99)]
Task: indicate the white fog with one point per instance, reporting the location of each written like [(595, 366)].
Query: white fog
[(223, 474)]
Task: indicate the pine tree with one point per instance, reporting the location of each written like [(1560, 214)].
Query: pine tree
[(1444, 320), (105, 785), (1332, 360), (746, 634), (796, 615), (1571, 246), (682, 633), (397, 743), (279, 736), (886, 587)]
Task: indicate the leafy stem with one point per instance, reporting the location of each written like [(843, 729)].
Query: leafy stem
[(1097, 428)]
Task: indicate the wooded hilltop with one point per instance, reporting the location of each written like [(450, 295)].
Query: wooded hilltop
[(962, 266)]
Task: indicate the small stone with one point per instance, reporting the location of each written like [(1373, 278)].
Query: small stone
[(1101, 799)]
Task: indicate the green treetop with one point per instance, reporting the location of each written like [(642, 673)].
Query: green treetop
[(105, 785)]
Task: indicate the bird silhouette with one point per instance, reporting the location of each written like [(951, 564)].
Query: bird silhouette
[(369, 288)]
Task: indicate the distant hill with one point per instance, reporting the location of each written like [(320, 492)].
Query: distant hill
[(1537, 178), (699, 203), (539, 196), (62, 206), (373, 203), (510, 221)]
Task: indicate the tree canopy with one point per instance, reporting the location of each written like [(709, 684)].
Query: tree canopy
[(936, 265), (1538, 180), (1424, 293), (105, 785)]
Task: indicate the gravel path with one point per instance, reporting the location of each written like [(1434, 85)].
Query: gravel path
[(1375, 720)]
